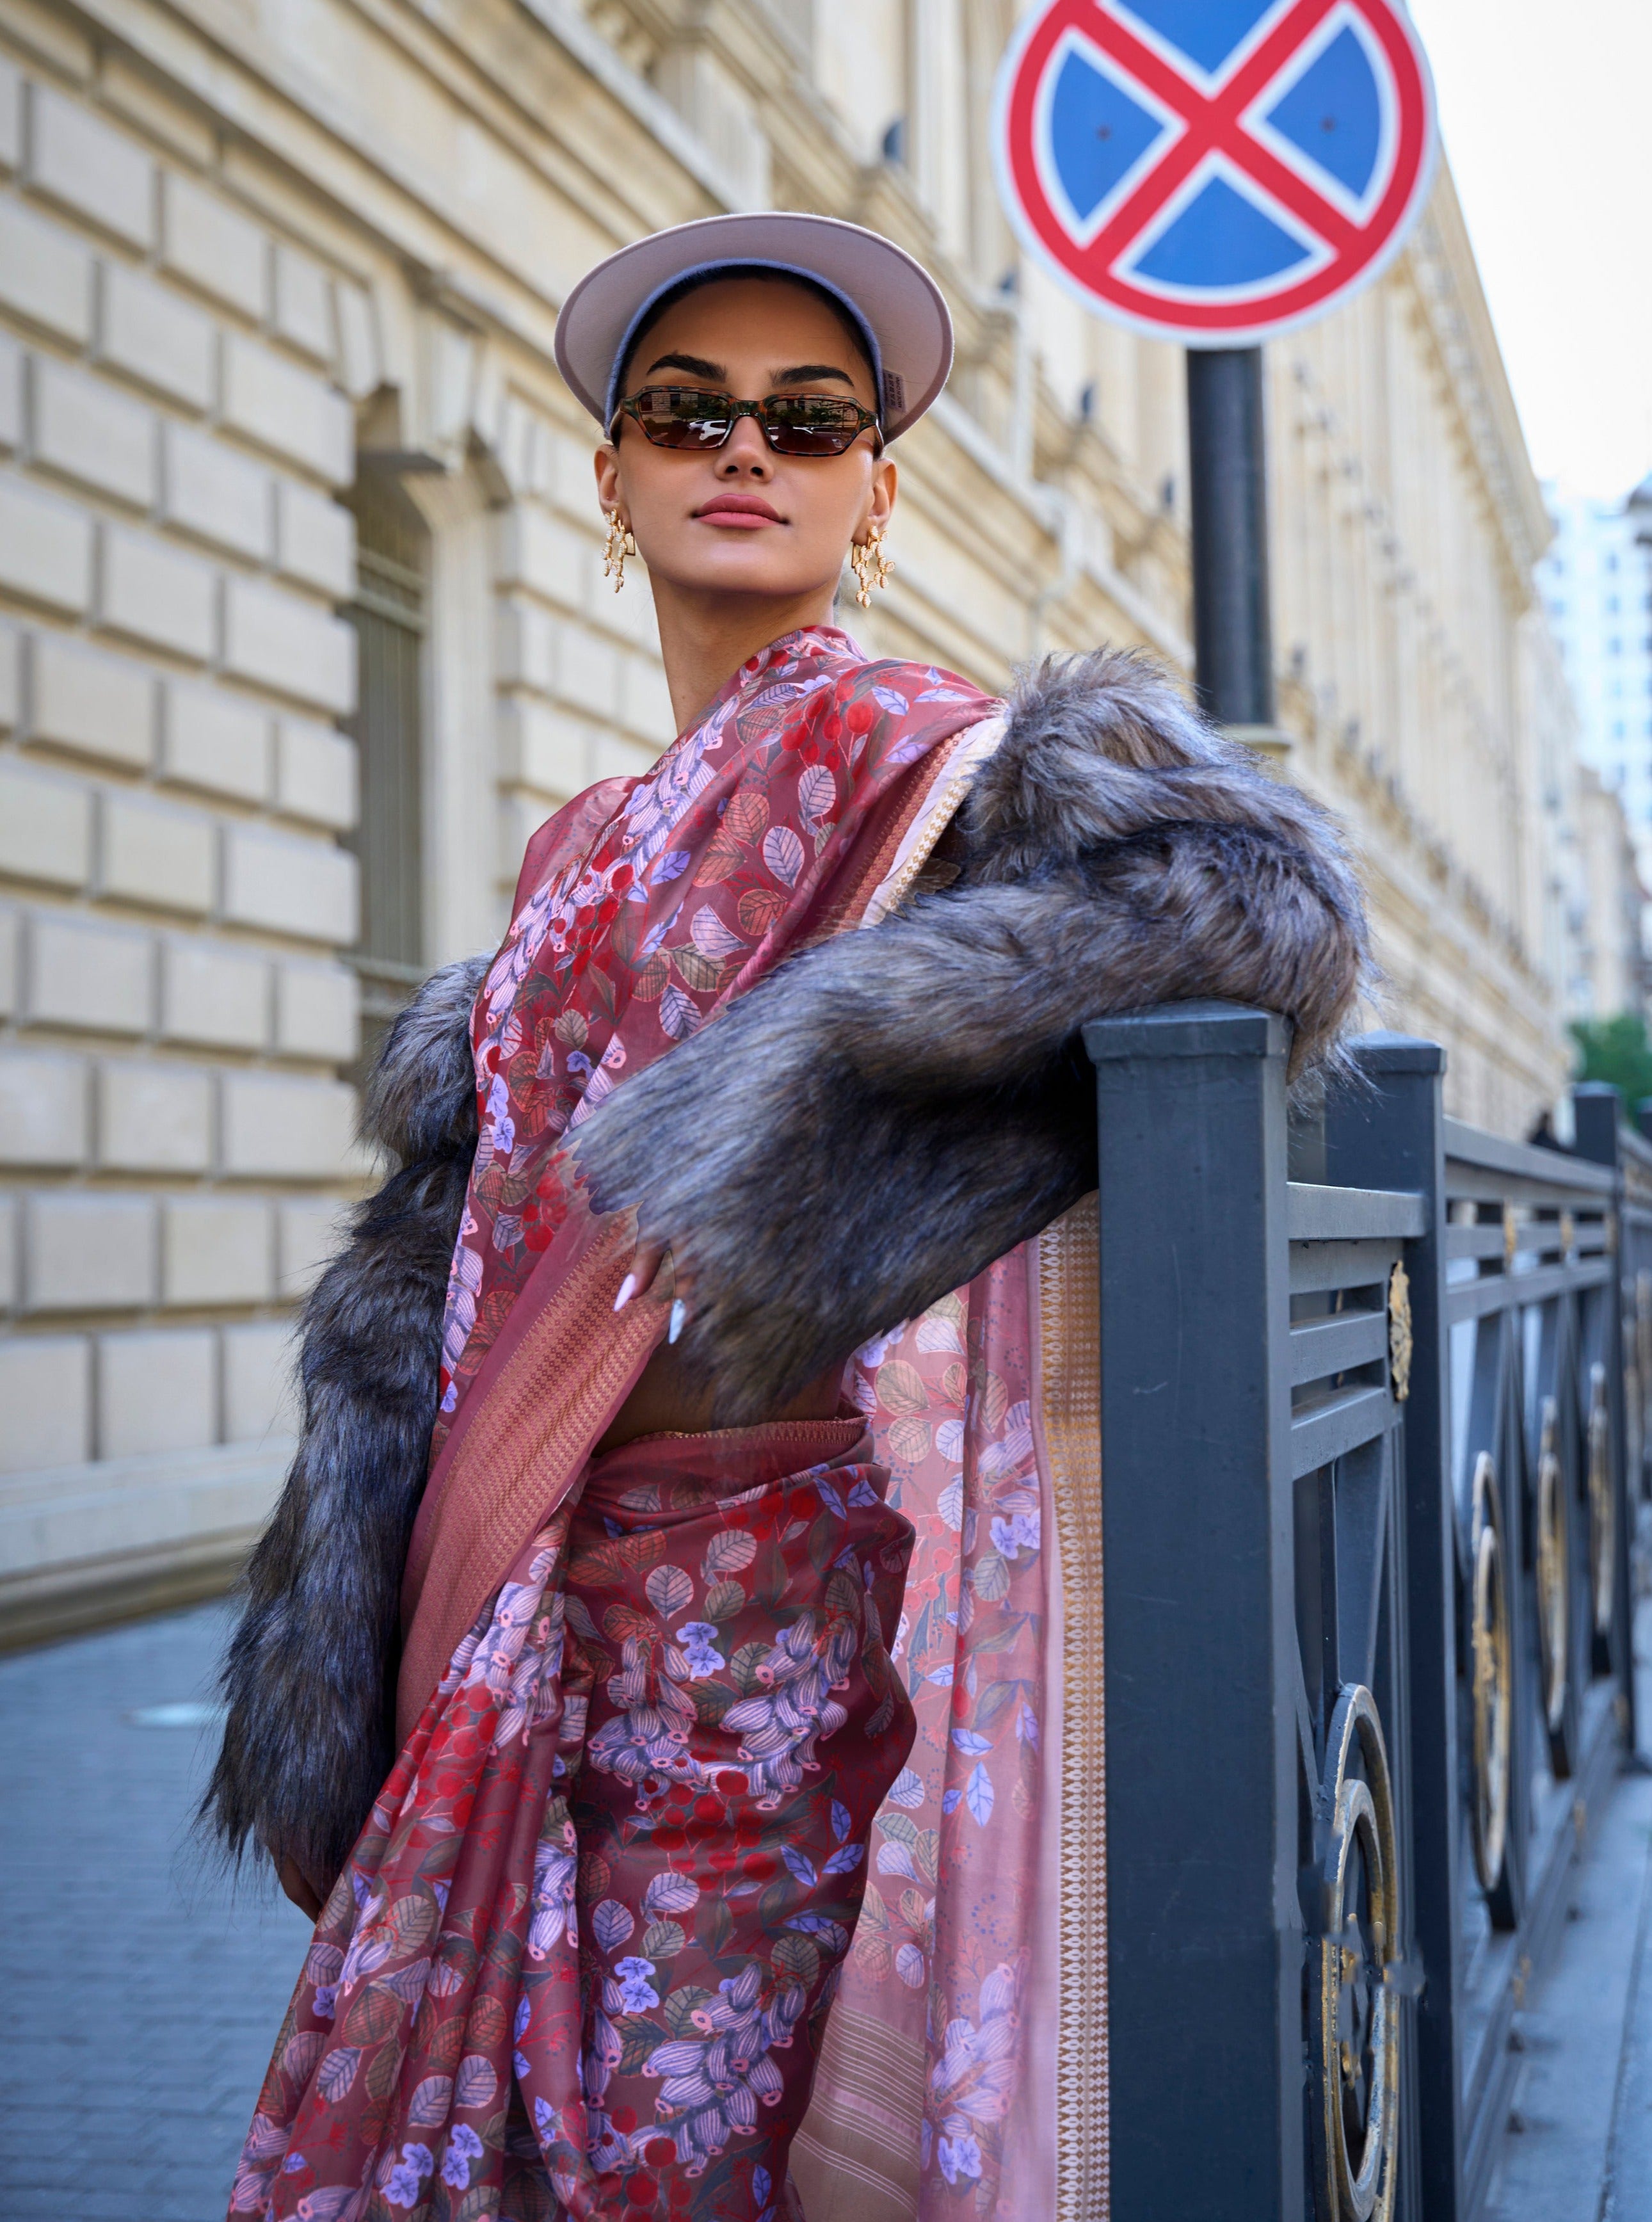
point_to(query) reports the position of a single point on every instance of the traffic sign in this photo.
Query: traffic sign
(1214, 171)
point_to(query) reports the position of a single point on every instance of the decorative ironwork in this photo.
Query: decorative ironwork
(1400, 1334)
(1356, 2038)
(1603, 1509)
(1553, 1600)
(1491, 1668)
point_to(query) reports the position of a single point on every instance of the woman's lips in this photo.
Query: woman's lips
(744, 512)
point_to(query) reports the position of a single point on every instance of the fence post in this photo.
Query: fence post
(1597, 1108)
(1387, 1133)
(1204, 1930)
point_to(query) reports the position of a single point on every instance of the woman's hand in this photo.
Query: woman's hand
(646, 1261)
(298, 1887)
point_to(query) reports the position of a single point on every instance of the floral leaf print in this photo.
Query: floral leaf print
(371, 2017)
(938, 1331)
(948, 1440)
(990, 1578)
(909, 1966)
(696, 971)
(782, 852)
(845, 1860)
(747, 816)
(900, 1389)
(759, 909)
(338, 2071)
(949, 1506)
(723, 1600)
(663, 1940)
(832, 1933)
(672, 865)
(679, 1013)
(322, 1963)
(909, 1439)
(670, 1591)
(801, 1865)
(977, 1794)
(713, 938)
(638, 2037)
(842, 1822)
(896, 1859)
(300, 2054)
(670, 1892)
(797, 1956)
(428, 2107)
(476, 2081)
(726, 1553)
(817, 793)
(908, 1790)
(967, 1741)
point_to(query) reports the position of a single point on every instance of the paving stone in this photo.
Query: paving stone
(143, 1991)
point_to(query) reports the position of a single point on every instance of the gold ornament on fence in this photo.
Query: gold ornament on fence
(1491, 1678)
(1399, 1333)
(1354, 2054)
(871, 566)
(615, 548)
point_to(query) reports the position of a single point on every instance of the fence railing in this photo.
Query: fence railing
(1366, 1518)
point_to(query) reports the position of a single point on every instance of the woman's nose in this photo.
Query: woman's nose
(745, 454)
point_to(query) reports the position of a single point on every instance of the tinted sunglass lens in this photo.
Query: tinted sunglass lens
(673, 418)
(811, 425)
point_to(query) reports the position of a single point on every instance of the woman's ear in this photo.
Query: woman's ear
(607, 464)
(881, 500)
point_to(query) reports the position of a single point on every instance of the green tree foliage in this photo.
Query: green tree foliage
(1616, 1049)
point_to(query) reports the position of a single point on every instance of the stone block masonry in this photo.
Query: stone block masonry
(175, 1139)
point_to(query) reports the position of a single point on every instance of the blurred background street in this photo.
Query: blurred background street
(142, 1991)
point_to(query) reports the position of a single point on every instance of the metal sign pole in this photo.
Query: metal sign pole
(1227, 460)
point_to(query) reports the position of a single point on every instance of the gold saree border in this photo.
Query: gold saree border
(525, 1448)
(1068, 1326)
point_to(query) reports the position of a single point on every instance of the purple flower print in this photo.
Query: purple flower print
(638, 1993)
(778, 1727)
(464, 2146)
(1020, 1532)
(699, 1641)
(407, 2176)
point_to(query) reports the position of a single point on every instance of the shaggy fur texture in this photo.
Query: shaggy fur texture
(310, 1676)
(864, 1130)
(890, 1110)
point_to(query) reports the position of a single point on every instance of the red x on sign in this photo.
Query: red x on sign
(1214, 170)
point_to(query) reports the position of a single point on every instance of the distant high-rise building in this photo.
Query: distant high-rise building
(1597, 580)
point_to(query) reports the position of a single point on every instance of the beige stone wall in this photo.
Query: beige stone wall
(246, 254)
(1611, 970)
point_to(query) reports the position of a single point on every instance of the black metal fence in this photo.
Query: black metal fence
(1366, 1517)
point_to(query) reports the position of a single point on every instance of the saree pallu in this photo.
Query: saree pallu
(582, 1955)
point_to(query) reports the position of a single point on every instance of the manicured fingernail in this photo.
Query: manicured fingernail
(678, 1319)
(627, 1290)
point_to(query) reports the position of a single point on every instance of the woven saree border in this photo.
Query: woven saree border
(1069, 1287)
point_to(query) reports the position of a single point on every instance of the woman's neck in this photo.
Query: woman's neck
(704, 638)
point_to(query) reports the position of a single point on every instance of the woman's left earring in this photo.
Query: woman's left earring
(871, 565)
(618, 545)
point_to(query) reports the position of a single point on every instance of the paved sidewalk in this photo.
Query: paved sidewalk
(141, 1993)
(1579, 2143)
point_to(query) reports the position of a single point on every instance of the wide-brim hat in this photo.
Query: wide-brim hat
(891, 298)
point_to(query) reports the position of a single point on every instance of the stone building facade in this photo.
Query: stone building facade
(302, 629)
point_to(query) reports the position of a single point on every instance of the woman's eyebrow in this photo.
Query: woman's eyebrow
(800, 371)
(695, 365)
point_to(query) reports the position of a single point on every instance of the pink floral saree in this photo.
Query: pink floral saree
(743, 1857)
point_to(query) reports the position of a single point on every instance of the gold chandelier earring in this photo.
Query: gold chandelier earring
(871, 565)
(615, 548)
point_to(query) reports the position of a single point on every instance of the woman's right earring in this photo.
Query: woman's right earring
(618, 545)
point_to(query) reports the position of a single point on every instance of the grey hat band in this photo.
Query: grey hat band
(700, 274)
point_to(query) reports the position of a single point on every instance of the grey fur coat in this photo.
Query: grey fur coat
(898, 1106)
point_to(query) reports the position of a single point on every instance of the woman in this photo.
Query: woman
(700, 1769)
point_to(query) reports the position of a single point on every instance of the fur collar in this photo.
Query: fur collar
(896, 1106)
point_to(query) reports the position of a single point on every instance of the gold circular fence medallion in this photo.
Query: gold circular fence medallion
(1491, 1686)
(1602, 1503)
(1554, 1598)
(1356, 2009)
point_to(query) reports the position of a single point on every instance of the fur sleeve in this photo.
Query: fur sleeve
(310, 1671)
(891, 1110)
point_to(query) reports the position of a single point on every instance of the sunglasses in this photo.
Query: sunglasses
(793, 424)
